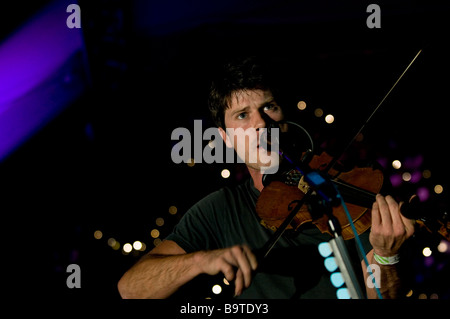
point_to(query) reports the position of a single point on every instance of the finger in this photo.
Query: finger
(409, 224)
(243, 264)
(376, 218)
(394, 210)
(239, 283)
(251, 257)
(400, 222)
(228, 271)
(385, 214)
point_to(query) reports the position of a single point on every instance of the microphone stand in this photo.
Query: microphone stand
(343, 259)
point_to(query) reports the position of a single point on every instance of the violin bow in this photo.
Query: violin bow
(336, 158)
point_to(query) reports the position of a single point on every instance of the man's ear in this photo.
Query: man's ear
(225, 137)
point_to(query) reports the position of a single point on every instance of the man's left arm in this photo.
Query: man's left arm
(390, 229)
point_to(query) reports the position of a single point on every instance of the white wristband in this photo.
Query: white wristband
(386, 260)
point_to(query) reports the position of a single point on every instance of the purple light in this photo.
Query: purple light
(416, 177)
(383, 161)
(35, 51)
(428, 261)
(423, 194)
(413, 162)
(396, 180)
(36, 80)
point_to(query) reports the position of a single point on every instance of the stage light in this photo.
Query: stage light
(336, 279)
(225, 173)
(217, 289)
(330, 264)
(396, 164)
(98, 234)
(154, 233)
(111, 242)
(172, 210)
(329, 118)
(438, 189)
(426, 252)
(406, 176)
(343, 293)
(127, 248)
(325, 249)
(415, 177)
(301, 105)
(396, 180)
(423, 193)
(159, 221)
(443, 247)
(426, 173)
(137, 245)
(114, 244)
(318, 112)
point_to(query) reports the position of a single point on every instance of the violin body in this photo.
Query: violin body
(277, 199)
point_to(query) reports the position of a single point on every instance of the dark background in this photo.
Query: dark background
(104, 163)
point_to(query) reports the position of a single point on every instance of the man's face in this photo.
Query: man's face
(249, 112)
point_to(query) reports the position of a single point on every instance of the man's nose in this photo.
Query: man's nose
(260, 120)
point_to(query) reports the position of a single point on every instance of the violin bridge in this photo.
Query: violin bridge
(272, 228)
(303, 185)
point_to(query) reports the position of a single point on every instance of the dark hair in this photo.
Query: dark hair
(249, 73)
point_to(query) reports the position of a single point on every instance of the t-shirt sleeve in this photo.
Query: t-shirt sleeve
(199, 228)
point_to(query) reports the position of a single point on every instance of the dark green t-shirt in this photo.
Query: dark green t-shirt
(294, 268)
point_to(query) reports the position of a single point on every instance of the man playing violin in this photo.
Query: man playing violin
(220, 233)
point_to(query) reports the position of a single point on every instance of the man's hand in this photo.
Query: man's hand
(390, 228)
(236, 263)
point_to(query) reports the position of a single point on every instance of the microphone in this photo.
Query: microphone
(318, 181)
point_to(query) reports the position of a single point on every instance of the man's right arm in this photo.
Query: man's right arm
(167, 267)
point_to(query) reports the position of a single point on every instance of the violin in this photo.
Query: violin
(358, 187)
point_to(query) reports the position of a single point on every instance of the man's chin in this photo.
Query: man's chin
(269, 164)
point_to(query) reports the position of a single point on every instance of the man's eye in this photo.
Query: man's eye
(242, 116)
(270, 107)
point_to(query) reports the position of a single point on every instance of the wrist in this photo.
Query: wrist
(198, 260)
(386, 259)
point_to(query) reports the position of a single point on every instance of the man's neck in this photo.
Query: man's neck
(257, 178)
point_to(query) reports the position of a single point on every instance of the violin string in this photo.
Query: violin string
(335, 159)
